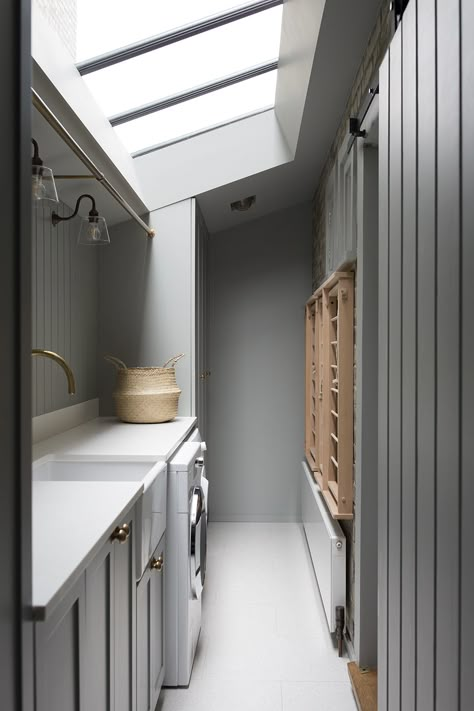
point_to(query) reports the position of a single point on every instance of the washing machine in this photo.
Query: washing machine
(186, 546)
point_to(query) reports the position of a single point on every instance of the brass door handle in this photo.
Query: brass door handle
(157, 563)
(121, 533)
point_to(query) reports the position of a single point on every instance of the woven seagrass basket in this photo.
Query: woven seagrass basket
(146, 395)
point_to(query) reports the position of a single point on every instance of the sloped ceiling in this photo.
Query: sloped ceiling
(345, 29)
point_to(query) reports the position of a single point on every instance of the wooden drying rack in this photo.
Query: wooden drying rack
(330, 391)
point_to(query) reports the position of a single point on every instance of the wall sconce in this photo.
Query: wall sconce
(93, 230)
(42, 180)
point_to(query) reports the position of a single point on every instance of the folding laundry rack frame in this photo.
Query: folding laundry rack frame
(329, 437)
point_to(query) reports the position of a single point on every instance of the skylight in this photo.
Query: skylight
(164, 71)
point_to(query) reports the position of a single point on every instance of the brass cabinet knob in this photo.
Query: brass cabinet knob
(120, 533)
(157, 563)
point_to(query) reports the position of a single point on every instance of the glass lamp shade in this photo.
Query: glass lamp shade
(43, 186)
(93, 232)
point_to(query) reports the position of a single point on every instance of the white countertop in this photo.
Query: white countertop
(107, 437)
(71, 522)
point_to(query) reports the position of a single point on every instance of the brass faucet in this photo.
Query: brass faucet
(71, 385)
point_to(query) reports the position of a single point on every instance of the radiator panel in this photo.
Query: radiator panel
(327, 546)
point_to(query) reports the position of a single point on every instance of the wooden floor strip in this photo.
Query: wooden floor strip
(364, 686)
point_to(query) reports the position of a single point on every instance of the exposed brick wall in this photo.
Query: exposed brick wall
(376, 48)
(62, 16)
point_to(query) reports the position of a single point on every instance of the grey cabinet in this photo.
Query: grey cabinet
(150, 631)
(60, 655)
(341, 211)
(85, 651)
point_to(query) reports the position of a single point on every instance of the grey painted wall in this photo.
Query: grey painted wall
(260, 279)
(65, 302)
(426, 393)
(148, 299)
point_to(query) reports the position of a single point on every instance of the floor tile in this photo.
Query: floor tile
(223, 696)
(265, 642)
(323, 696)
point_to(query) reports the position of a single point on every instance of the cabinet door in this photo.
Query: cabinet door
(331, 220)
(125, 622)
(59, 655)
(157, 637)
(150, 632)
(99, 689)
(345, 250)
(143, 642)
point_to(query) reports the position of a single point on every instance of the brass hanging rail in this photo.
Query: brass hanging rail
(54, 122)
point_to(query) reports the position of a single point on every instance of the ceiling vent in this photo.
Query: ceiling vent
(244, 204)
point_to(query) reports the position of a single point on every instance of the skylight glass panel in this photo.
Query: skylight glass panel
(105, 25)
(199, 114)
(187, 64)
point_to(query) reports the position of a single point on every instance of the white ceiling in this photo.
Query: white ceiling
(345, 30)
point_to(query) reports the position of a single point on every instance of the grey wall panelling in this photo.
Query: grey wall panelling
(447, 354)
(65, 304)
(384, 285)
(366, 469)
(467, 357)
(426, 365)
(395, 373)
(426, 354)
(260, 278)
(408, 360)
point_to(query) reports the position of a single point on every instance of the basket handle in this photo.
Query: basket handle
(172, 361)
(119, 364)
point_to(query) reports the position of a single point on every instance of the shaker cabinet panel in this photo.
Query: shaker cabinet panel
(341, 212)
(347, 208)
(99, 690)
(143, 643)
(157, 639)
(59, 655)
(85, 651)
(150, 632)
(124, 624)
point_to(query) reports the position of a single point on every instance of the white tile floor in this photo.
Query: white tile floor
(264, 644)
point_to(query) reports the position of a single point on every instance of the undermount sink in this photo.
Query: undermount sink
(97, 470)
(151, 507)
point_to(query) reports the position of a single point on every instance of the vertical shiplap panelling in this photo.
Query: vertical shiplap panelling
(65, 311)
(39, 379)
(467, 373)
(34, 361)
(409, 326)
(426, 346)
(54, 307)
(384, 132)
(448, 356)
(48, 365)
(395, 296)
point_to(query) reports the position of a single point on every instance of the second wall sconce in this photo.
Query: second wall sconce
(93, 230)
(43, 186)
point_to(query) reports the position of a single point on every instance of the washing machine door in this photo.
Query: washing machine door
(198, 540)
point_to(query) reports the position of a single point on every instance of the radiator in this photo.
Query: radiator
(327, 546)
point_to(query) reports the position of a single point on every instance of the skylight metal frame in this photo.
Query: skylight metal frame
(136, 49)
(194, 93)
